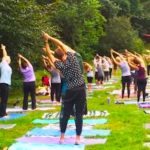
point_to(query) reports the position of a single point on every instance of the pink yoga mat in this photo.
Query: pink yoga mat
(125, 96)
(55, 140)
(147, 126)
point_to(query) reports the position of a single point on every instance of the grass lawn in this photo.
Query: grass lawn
(125, 122)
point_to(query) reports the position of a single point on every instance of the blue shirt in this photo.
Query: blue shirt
(5, 72)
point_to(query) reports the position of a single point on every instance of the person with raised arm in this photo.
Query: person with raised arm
(75, 96)
(5, 80)
(90, 74)
(141, 78)
(55, 82)
(29, 87)
(125, 70)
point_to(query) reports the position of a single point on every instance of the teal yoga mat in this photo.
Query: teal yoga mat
(55, 132)
(71, 121)
(33, 146)
(12, 116)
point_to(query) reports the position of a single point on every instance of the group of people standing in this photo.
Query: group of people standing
(133, 68)
(101, 71)
(64, 62)
(26, 70)
(66, 69)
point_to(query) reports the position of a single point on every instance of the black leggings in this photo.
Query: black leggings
(126, 80)
(148, 70)
(106, 75)
(4, 91)
(74, 99)
(141, 84)
(29, 88)
(55, 90)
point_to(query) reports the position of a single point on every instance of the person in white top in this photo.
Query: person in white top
(97, 62)
(110, 66)
(105, 66)
(90, 74)
(125, 70)
(5, 81)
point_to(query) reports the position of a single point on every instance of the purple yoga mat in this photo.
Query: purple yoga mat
(144, 105)
(55, 140)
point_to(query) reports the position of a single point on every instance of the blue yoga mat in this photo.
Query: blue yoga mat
(55, 132)
(32, 146)
(12, 116)
(71, 121)
(45, 121)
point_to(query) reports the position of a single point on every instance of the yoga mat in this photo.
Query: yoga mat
(146, 144)
(148, 135)
(71, 121)
(7, 126)
(125, 96)
(57, 126)
(35, 146)
(147, 126)
(42, 121)
(144, 105)
(92, 121)
(55, 140)
(130, 102)
(119, 102)
(54, 132)
(115, 92)
(21, 110)
(44, 101)
(45, 108)
(147, 111)
(89, 114)
(135, 102)
(12, 116)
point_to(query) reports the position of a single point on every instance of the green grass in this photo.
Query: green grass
(125, 122)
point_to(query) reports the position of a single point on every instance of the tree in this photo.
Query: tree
(120, 35)
(80, 24)
(21, 26)
(109, 9)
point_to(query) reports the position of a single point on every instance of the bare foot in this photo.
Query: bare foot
(61, 140)
(77, 141)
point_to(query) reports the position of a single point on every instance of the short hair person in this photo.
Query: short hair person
(5, 80)
(27, 71)
(75, 95)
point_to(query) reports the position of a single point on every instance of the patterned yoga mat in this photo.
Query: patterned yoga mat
(93, 113)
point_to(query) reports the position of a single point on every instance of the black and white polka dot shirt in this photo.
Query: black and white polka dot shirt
(71, 71)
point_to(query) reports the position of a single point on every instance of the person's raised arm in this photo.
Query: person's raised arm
(49, 52)
(57, 42)
(25, 59)
(3, 47)
(113, 58)
(19, 62)
(132, 64)
(47, 62)
(120, 55)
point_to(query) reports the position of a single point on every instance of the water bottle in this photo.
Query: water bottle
(108, 100)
